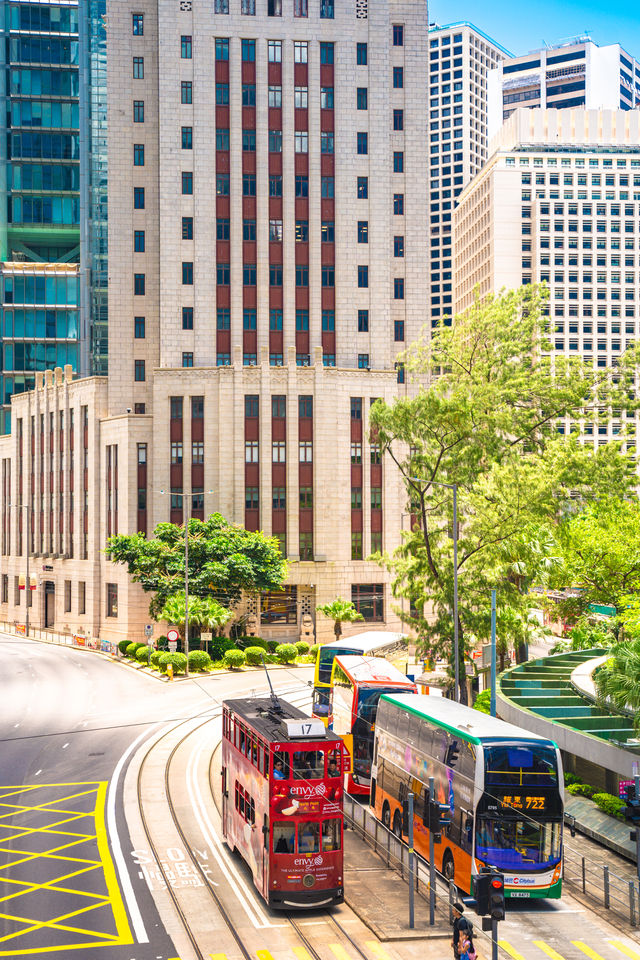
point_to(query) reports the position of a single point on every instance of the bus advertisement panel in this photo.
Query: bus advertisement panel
(503, 786)
(282, 801)
(357, 683)
(372, 643)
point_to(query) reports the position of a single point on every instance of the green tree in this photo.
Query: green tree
(203, 612)
(224, 560)
(340, 611)
(601, 555)
(487, 421)
(618, 680)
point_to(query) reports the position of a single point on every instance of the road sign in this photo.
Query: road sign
(206, 637)
(172, 635)
(148, 630)
(173, 646)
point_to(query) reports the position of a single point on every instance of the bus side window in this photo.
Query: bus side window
(284, 837)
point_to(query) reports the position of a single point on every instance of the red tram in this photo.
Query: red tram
(282, 798)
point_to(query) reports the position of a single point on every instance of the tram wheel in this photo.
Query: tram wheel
(386, 816)
(448, 868)
(397, 825)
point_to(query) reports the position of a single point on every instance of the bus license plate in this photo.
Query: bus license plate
(519, 893)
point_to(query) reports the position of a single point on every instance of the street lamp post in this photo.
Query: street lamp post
(185, 503)
(456, 652)
(27, 507)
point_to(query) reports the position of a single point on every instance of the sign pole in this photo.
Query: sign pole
(636, 777)
(432, 866)
(494, 939)
(411, 862)
(493, 653)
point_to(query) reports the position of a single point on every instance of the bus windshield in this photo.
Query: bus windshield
(326, 657)
(518, 843)
(526, 765)
(368, 699)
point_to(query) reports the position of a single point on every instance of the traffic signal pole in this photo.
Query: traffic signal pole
(636, 777)
(432, 866)
(411, 862)
(494, 939)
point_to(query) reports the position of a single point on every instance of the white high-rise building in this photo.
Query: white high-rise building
(559, 202)
(572, 73)
(460, 60)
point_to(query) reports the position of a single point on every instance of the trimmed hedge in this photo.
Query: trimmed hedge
(254, 655)
(610, 804)
(219, 646)
(142, 653)
(313, 652)
(234, 659)
(302, 647)
(245, 642)
(199, 660)
(571, 778)
(272, 645)
(482, 703)
(155, 657)
(581, 790)
(122, 645)
(178, 661)
(286, 652)
(133, 648)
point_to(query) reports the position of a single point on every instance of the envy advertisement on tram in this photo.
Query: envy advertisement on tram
(282, 801)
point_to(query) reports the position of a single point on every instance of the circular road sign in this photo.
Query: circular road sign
(172, 635)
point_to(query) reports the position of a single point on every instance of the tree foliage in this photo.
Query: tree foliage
(618, 680)
(487, 420)
(340, 611)
(224, 561)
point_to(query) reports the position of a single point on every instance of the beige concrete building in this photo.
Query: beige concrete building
(267, 215)
(559, 201)
(461, 58)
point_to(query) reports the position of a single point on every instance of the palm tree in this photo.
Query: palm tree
(203, 612)
(340, 611)
(214, 615)
(618, 680)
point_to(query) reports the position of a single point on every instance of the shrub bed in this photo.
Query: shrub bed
(581, 790)
(122, 645)
(142, 653)
(219, 646)
(272, 645)
(254, 655)
(286, 652)
(313, 653)
(302, 647)
(199, 660)
(155, 657)
(234, 659)
(177, 660)
(571, 778)
(132, 649)
(610, 804)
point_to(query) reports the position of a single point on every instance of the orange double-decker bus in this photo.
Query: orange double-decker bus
(282, 799)
(357, 683)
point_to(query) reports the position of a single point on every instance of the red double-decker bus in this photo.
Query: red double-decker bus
(357, 683)
(282, 797)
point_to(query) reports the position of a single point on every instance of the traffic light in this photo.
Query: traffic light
(439, 818)
(453, 752)
(481, 883)
(405, 817)
(496, 896)
(632, 810)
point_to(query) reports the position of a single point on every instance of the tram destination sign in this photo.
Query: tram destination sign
(299, 729)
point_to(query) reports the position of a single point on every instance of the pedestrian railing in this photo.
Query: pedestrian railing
(598, 882)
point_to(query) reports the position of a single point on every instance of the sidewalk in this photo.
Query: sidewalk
(600, 826)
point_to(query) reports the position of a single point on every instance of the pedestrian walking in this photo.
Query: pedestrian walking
(462, 939)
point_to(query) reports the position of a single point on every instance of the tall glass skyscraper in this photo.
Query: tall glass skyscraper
(53, 178)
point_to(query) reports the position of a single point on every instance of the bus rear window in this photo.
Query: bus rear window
(520, 765)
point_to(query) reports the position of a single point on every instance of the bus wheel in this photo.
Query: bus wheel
(386, 816)
(397, 825)
(448, 868)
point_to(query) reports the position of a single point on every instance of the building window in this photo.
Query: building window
(187, 318)
(274, 51)
(222, 48)
(398, 119)
(275, 274)
(197, 408)
(326, 9)
(276, 606)
(186, 91)
(363, 188)
(356, 545)
(302, 320)
(302, 275)
(222, 138)
(223, 274)
(328, 321)
(138, 241)
(300, 98)
(300, 8)
(356, 498)
(363, 275)
(248, 184)
(222, 228)
(363, 231)
(305, 407)
(187, 228)
(398, 35)
(187, 182)
(362, 143)
(138, 68)
(302, 141)
(138, 111)
(400, 372)
(306, 546)
(139, 284)
(112, 599)
(138, 198)
(176, 452)
(361, 98)
(305, 451)
(327, 231)
(251, 451)
(187, 272)
(328, 359)
(187, 138)
(398, 288)
(175, 408)
(138, 24)
(275, 141)
(138, 371)
(363, 321)
(197, 451)
(398, 204)
(363, 361)
(251, 406)
(138, 154)
(300, 51)
(328, 275)
(368, 599)
(82, 596)
(248, 48)
(398, 161)
(222, 184)
(248, 94)
(275, 319)
(326, 98)
(302, 230)
(356, 408)
(356, 453)
(278, 451)
(248, 8)
(306, 498)
(326, 142)
(302, 186)
(398, 78)
(361, 54)
(398, 330)
(326, 52)
(251, 498)
(138, 328)
(223, 318)
(398, 246)
(186, 48)
(187, 359)
(274, 8)
(249, 275)
(278, 407)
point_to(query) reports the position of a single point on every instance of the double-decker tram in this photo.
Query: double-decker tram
(357, 683)
(282, 799)
(503, 786)
(371, 643)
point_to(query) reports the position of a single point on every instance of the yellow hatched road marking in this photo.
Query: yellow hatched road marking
(339, 951)
(588, 950)
(215, 956)
(550, 952)
(623, 948)
(509, 949)
(379, 950)
(263, 955)
(301, 953)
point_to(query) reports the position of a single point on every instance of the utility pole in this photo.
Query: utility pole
(636, 777)
(493, 653)
(27, 586)
(411, 860)
(186, 581)
(432, 866)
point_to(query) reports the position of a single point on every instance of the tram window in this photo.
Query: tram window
(283, 837)
(254, 753)
(333, 766)
(309, 838)
(331, 834)
(240, 740)
(281, 766)
(308, 765)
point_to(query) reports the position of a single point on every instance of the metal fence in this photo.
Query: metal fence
(617, 894)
